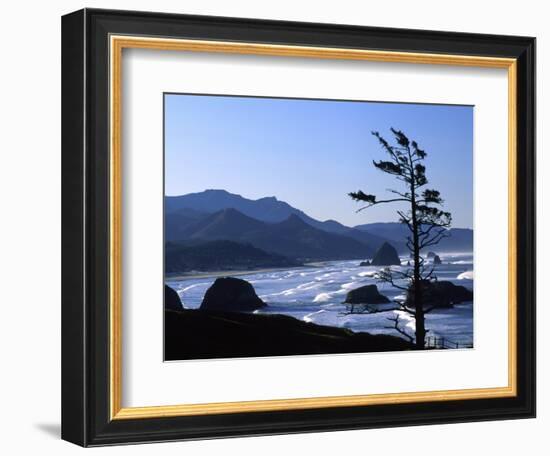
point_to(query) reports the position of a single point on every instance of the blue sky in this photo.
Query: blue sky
(311, 153)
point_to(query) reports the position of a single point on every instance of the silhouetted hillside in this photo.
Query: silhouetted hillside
(292, 238)
(185, 212)
(186, 256)
(224, 224)
(268, 209)
(176, 222)
(218, 214)
(200, 334)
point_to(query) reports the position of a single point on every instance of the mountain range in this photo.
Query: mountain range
(278, 229)
(268, 209)
(458, 239)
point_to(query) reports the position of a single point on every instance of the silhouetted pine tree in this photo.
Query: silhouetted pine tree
(427, 223)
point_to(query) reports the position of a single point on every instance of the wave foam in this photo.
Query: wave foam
(372, 274)
(468, 275)
(322, 297)
(347, 286)
(309, 318)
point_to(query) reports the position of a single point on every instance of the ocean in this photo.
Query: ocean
(316, 294)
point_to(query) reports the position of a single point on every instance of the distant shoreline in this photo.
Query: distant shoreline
(241, 272)
(232, 273)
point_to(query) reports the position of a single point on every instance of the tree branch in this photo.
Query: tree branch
(435, 240)
(386, 276)
(398, 329)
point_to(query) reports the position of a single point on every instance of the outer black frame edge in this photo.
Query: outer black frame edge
(526, 216)
(85, 170)
(73, 326)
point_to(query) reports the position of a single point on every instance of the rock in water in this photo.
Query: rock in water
(431, 255)
(172, 300)
(442, 294)
(364, 263)
(367, 294)
(232, 295)
(386, 256)
(437, 260)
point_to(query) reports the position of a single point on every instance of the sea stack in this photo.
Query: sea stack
(232, 295)
(443, 294)
(436, 259)
(367, 294)
(386, 256)
(172, 300)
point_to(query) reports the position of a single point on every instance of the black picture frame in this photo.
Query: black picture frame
(85, 223)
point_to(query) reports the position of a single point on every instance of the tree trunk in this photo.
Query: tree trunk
(418, 307)
(420, 331)
(420, 324)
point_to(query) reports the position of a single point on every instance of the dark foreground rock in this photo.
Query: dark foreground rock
(442, 294)
(367, 294)
(172, 300)
(386, 255)
(200, 334)
(232, 295)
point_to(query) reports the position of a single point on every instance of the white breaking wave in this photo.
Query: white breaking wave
(368, 274)
(468, 275)
(350, 285)
(308, 286)
(190, 287)
(309, 317)
(322, 297)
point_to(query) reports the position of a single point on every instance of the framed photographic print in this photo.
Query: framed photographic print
(278, 227)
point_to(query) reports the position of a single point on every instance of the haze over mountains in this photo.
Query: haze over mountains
(459, 240)
(283, 233)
